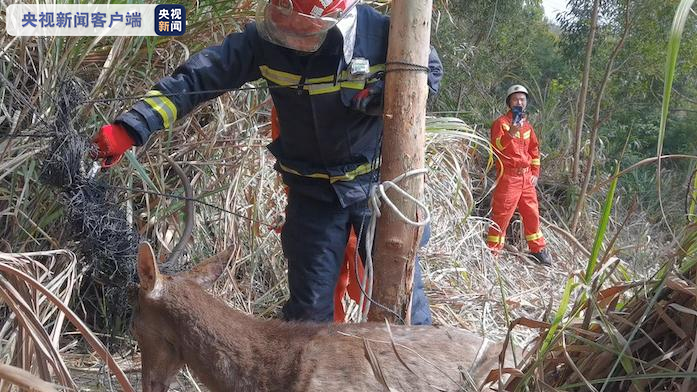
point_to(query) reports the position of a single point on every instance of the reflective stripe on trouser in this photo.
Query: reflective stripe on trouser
(314, 239)
(515, 191)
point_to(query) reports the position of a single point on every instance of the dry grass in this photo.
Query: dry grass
(222, 148)
(467, 287)
(36, 295)
(611, 341)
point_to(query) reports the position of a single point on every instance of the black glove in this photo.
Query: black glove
(369, 100)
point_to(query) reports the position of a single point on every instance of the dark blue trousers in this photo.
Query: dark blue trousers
(314, 239)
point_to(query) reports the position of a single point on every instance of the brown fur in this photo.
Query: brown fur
(177, 322)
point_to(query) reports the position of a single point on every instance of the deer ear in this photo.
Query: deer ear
(205, 274)
(148, 273)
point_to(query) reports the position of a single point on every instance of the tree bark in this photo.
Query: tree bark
(406, 92)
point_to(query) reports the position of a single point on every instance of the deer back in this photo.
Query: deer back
(177, 322)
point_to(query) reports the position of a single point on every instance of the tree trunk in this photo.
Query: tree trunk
(596, 123)
(406, 92)
(582, 95)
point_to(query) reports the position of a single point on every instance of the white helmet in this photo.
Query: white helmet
(516, 88)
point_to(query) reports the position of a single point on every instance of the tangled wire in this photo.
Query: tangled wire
(104, 236)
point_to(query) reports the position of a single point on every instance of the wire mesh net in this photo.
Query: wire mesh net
(99, 226)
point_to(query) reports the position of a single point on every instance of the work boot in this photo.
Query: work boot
(542, 257)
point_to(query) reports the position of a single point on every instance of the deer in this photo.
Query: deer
(177, 322)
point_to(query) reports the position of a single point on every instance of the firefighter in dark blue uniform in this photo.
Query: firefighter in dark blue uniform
(323, 59)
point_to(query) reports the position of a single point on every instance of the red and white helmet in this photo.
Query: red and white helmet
(300, 24)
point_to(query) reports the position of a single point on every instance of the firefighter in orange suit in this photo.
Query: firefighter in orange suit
(516, 145)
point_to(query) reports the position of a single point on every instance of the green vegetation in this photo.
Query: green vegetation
(488, 45)
(625, 254)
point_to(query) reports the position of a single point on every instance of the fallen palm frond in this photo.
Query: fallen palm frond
(23, 329)
(36, 295)
(645, 343)
(23, 379)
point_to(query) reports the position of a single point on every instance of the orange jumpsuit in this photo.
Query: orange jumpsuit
(520, 160)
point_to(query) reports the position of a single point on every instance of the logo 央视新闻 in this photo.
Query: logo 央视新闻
(170, 19)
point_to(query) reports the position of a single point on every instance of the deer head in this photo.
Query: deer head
(153, 326)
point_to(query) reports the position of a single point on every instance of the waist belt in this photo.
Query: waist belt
(516, 171)
(347, 176)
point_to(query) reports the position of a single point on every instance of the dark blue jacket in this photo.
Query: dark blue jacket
(326, 149)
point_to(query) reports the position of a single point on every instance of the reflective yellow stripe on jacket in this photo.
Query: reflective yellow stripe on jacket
(279, 77)
(320, 85)
(163, 106)
(323, 85)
